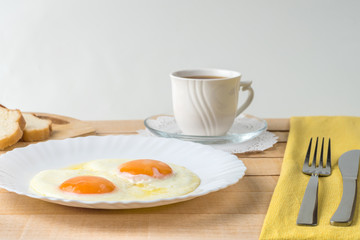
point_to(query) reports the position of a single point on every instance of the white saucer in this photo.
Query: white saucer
(245, 127)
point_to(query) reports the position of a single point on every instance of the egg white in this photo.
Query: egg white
(128, 187)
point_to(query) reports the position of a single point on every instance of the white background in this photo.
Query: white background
(111, 59)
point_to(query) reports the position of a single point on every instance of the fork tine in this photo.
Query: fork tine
(328, 162)
(315, 153)
(321, 154)
(306, 163)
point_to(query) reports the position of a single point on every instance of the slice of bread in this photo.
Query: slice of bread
(36, 129)
(12, 124)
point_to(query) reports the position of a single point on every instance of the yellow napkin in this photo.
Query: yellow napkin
(280, 220)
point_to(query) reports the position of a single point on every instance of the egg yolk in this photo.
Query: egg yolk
(152, 168)
(87, 185)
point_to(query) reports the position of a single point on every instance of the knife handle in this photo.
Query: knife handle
(308, 209)
(344, 214)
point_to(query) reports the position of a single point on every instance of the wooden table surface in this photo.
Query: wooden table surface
(236, 212)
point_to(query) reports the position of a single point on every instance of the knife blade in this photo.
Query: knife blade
(349, 167)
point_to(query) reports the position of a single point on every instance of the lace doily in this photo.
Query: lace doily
(260, 143)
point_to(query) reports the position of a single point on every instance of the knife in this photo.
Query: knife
(349, 167)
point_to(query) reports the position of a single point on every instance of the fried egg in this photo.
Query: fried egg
(154, 178)
(80, 185)
(116, 180)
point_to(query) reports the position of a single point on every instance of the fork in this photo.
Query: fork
(308, 214)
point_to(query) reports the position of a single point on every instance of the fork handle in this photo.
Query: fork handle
(308, 209)
(344, 214)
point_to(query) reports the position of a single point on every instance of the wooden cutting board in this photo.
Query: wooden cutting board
(66, 127)
(63, 127)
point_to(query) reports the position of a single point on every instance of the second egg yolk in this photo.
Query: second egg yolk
(152, 168)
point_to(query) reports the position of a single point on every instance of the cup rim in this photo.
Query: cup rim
(228, 74)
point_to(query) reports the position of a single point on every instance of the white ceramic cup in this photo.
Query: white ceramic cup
(207, 106)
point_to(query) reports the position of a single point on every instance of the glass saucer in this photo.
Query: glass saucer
(245, 127)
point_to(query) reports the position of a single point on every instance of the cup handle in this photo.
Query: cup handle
(245, 86)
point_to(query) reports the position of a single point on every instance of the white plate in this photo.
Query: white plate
(216, 169)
